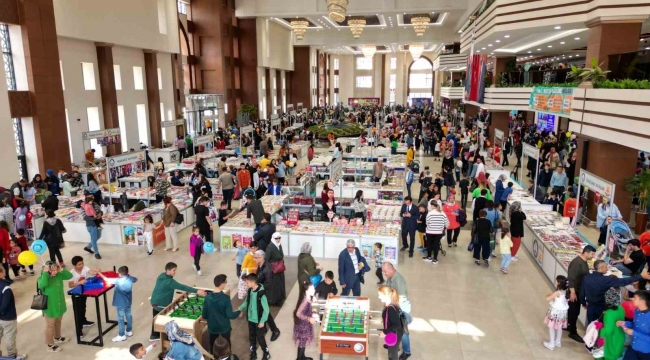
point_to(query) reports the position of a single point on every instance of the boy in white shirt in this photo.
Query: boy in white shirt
(80, 272)
(139, 352)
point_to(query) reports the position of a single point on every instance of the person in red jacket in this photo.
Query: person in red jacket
(451, 208)
(6, 248)
(243, 178)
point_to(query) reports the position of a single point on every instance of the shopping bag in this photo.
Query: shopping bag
(242, 289)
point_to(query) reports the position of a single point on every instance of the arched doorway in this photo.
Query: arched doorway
(420, 80)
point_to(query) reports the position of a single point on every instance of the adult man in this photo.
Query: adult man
(265, 278)
(478, 168)
(182, 146)
(221, 165)
(217, 311)
(544, 178)
(76, 181)
(254, 208)
(559, 181)
(264, 149)
(640, 344)
(227, 185)
(479, 203)
(409, 179)
(163, 293)
(8, 317)
(264, 234)
(596, 284)
(396, 281)
(578, 268)
(632, 260)
(351, 263)
(409, 214)
(16, 191)
(378, 172)
(553, 158)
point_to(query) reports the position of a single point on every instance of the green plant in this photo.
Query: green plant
(623, 84)
(487, 80)
(574, 74)
(639, 186)
(594, 74)
(568, 84)
(446, 83)
(251, 110)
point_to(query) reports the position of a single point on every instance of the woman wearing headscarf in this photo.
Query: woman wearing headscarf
(274, 254)
(517, 218)
(498, 188)
(307, 266)
(182, 346)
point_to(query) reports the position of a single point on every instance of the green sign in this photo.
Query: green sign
(555, 100)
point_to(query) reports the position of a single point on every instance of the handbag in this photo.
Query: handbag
(278, 267)
(39, 302)
(179, 219)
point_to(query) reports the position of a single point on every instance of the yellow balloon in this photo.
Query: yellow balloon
(568, 134)
(27, 258)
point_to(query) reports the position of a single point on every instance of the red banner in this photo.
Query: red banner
(475, 84)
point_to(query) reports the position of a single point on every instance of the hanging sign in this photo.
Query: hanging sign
(246, 129)
(205, 139)
(124, 159)
(100, 133)
(530, 151)
(293, 113)
(556, 100)
(171, 123)
(596, 183)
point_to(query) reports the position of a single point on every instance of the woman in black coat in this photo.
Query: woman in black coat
(52, 234)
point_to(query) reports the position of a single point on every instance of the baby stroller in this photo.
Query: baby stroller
(621, 234)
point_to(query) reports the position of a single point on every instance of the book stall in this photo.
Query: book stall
(344, 189)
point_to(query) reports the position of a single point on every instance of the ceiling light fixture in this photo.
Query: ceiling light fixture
(506, 36)
(497, 41)
(562, 43)
(420, 23)
(550, 46)
(299, 27)
(557, 27)
(368, 51)
(576, 38)
(337, 9)
(530, 52)
(416, 50)
(357, 24)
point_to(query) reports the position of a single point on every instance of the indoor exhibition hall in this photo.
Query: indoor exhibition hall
(325, 179)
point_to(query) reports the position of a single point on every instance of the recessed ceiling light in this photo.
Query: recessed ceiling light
(478, 51)
(557, 27)
(490, 45)
(550, 46)
(539, 49)
(491, 53)
(576, 38)
(506, 36)
(570, 56)
(648, 48)
(497, 41)
(562, 43)
(529, 52)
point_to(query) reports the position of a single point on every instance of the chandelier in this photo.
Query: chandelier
(368, 51)
(337, 9)
(299, 27)
(416, 50)
(420, 23)
(356, 25)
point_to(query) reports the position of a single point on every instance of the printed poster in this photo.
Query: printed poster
(556, 100)
(366, 251)
(226, 242)
(390, 253)
(133, 235)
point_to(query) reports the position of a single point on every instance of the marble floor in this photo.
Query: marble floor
(460, 311)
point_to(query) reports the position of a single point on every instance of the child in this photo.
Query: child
(148, 233)
(436, 152)
(557, 315)
(327, 286)
(378, 256)
(20, 216)
(139, 352)
(80, 273)
(13, 258)
(196, 248)
(241, 253)
(505, 245)
(303, 319)
(122, 299)
(464, 191)
(21, 241)
(421, 227)
(438, 181)
(256, 297)
(552, 200)
(91, 210)
(223, 213)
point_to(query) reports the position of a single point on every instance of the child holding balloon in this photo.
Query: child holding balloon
(21, 240)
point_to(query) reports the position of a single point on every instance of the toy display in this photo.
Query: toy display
(344, 330)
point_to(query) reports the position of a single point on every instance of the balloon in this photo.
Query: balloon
(208, 247)
(22, 217)
(27, 258)
(568, 134)
(39, 247)
(629, 309)
(390, 339)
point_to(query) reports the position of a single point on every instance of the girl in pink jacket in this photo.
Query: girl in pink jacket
(196, 248)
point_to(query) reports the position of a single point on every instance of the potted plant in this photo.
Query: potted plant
(251, 110)
(593, 75)
(639, 186)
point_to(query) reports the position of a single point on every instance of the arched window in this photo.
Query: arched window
(420, 79)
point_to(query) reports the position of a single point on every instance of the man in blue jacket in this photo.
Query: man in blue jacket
(351, 267)
(409, 214)
(639, 329)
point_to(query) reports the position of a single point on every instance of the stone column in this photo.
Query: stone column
(608, 36)
(108, 91)
(153, 98)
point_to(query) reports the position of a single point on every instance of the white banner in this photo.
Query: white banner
(275, 122)
(246, 129)
(596, 183)
(274, 116)
(205, 139)
(128, 158)
(530, 151)
(289, 106)
(171, 123)
(209, 117)
(299, 104)
(293, 113)
(100, 133)
(498, 134)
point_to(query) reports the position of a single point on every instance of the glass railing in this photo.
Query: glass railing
(533, 77)
(632, 65)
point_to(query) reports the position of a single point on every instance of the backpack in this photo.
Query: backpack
(461, 217)
(403, 319)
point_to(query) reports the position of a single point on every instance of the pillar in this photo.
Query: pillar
(107, 91)
(612, 36)
(470, 112)
(248, 63)
(499, 120)
(437, 84)
(153, 98)
(500, 67)
(300, 88)
(41, 51)
(269, 95)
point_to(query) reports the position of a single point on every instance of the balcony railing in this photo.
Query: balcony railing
(632, 65)
(528, 78)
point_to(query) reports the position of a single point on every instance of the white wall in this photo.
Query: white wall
(167, 92)
(133, 23)
(274, 45)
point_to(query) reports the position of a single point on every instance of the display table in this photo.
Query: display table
(370, 190)
(345, 329)
(169, 155)
(94, 294)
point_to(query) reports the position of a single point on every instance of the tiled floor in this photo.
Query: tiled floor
(461, 311)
